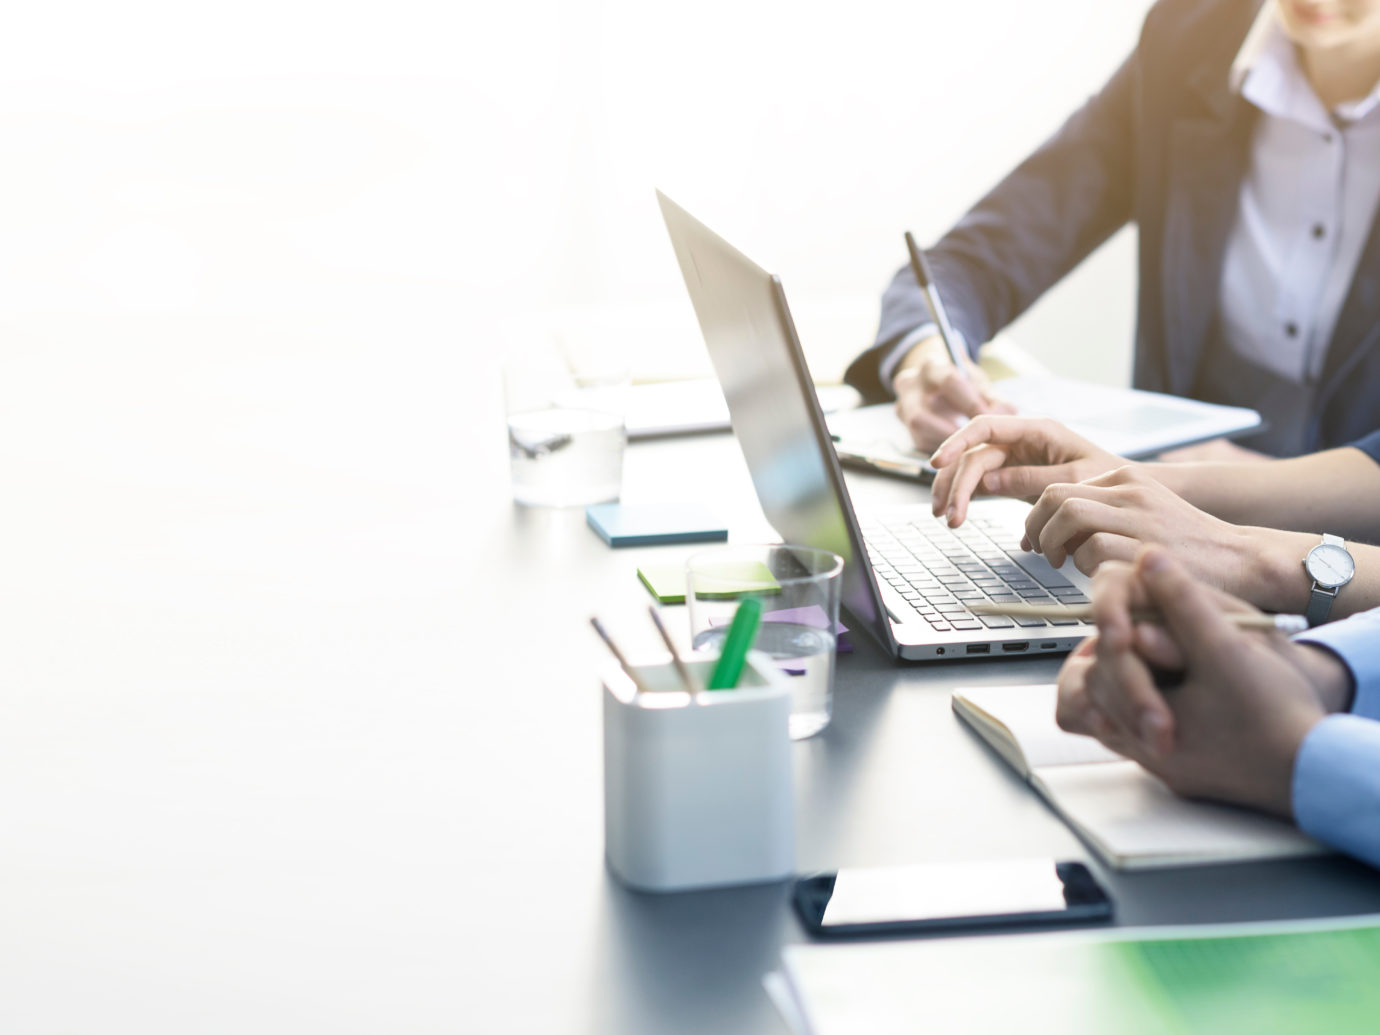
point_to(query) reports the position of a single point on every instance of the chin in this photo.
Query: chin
(1319, 36)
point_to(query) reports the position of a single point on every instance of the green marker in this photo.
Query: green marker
(734, 653)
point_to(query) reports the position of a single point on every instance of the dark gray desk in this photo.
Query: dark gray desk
(300, 731)
(896, 778)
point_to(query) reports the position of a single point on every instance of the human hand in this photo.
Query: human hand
(1231, 729)
(933, 397)
(1109, 517)
(1013, 456)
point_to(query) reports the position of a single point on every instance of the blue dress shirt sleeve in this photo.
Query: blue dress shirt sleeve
(1356, 642)
(1336, 787)
(1336, 783)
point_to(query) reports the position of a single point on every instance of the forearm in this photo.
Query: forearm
(1336, 491)
(1270, 572)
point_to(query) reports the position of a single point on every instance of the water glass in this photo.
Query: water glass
(799, 590)
(566, 435)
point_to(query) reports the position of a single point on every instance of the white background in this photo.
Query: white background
(453, 170)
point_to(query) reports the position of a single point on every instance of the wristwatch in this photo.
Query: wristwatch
(1330, 567)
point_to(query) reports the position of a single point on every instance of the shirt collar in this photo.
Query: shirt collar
(1267, 73)
(1266, 24)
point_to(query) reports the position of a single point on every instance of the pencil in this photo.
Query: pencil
(681, 670)
(642, 687)
(1084, 612)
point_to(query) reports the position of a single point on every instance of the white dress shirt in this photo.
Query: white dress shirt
(1304, 210)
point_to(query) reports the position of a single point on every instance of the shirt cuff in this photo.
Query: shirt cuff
(1356, 641)
(892, 360)
(1336, 785)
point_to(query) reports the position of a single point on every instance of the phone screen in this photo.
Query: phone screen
(1019, 891)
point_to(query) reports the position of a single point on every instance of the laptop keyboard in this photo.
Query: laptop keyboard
(940, 571)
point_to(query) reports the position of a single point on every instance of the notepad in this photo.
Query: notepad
(1267, 979)
(652, 524)
(667, 581)
(1126, 421)
(1124, 814)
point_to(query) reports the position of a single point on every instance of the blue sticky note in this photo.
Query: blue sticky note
(651, 524)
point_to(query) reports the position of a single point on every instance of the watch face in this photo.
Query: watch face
(1330, 566)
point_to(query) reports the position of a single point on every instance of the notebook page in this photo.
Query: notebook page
(1140, 821)
(1124, 421)
(1027, 712)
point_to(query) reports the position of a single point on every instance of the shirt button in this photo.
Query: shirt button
(1319, 231)
(1291, 329)
(1327, 138)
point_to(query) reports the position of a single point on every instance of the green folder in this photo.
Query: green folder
(1290, 977)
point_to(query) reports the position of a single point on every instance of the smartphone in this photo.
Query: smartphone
(949, 897)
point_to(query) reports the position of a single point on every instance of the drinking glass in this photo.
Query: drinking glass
(566, 435)
(799, 590)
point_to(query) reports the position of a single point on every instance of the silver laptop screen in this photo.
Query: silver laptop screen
(771, 401)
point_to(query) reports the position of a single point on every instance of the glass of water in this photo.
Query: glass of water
(566, 435)
(799, 590)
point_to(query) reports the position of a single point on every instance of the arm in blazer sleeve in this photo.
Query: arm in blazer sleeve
(1043, 219)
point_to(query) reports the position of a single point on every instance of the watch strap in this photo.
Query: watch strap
(1319, 605)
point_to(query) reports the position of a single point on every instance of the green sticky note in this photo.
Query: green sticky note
(667, 581)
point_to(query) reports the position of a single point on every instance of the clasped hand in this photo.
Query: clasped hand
(1242, 701)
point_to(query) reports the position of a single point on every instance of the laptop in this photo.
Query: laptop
(908, 578)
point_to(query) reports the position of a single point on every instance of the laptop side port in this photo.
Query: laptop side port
(1049, 645)
(979, 648)
(1015, 648)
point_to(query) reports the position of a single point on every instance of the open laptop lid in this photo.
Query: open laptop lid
(772, 403)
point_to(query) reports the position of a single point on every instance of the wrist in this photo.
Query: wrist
(1293, 731)
(1332, 681)
(1271, 569)
(921, 353)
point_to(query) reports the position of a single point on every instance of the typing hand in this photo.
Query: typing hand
(1231, 727)
(933, 399)
(1012, 456)
(1109, 517)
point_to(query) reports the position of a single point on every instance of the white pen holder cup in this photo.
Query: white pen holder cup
(698, 795)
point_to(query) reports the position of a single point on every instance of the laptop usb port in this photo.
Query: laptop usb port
(979, 648)
(1016, 647)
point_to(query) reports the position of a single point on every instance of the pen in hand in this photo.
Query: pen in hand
(921, 268)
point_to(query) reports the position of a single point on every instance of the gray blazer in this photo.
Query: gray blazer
(1165, 144)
